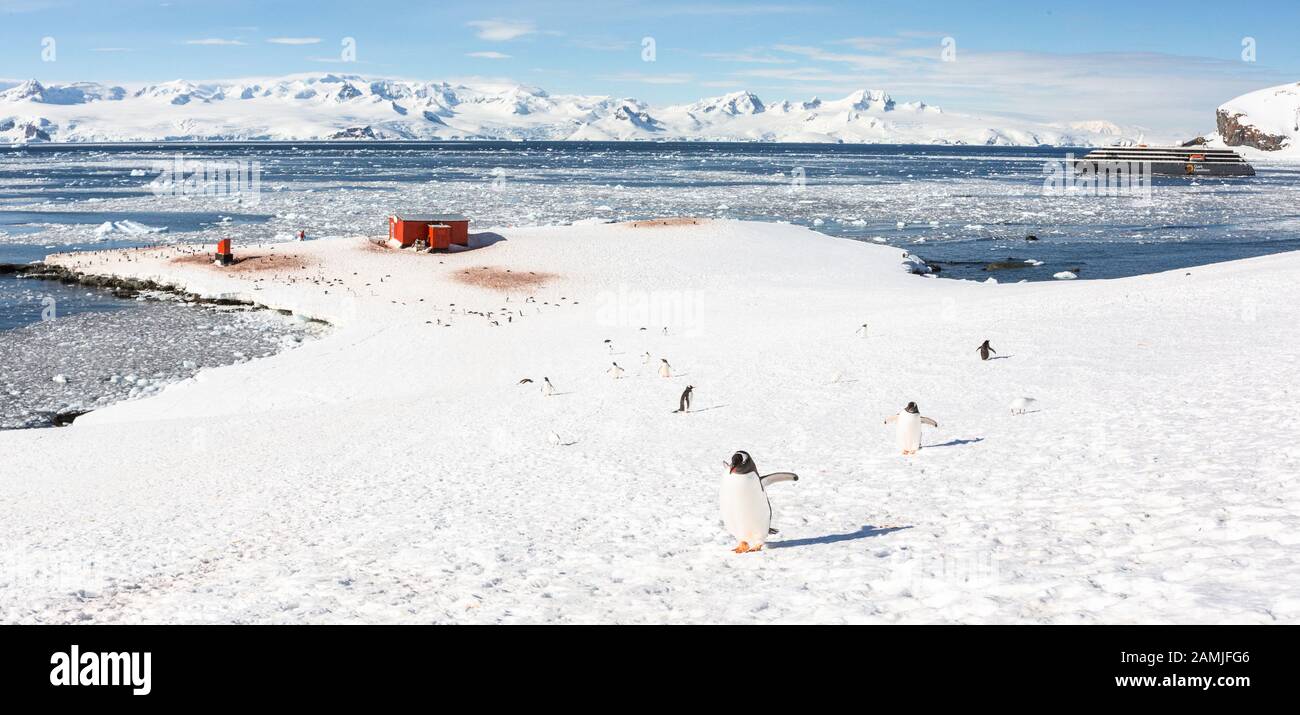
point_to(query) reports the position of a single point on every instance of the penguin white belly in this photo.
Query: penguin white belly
(745, 511)
(909, 432)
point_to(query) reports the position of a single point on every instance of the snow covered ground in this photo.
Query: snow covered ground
(395, 471)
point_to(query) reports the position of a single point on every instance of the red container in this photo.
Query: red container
(405, 231)
(459, 231)
(440, 236)
(223, 247)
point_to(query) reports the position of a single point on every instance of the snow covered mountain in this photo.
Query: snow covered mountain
(333, 106)
(1266, 119)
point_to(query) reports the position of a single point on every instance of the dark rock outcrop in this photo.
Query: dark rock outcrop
(1238, 133)
(354, 133)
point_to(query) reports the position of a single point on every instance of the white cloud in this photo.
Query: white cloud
(501, 30)
(749, 57)
(753, 9)
(637, 77)
(215, 41)
(294, 40)
(1170, 94)
(488, 55)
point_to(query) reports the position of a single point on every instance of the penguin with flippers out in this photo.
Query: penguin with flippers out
(746, 509)
(908, 432)
(984, 349)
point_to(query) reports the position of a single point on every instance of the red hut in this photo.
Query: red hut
(406, 230)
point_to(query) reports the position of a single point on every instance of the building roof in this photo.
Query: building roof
(430, 218)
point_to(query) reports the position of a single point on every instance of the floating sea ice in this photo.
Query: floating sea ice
(128, 228)
(818, 222)
(901, 224)
(1064, 276)
(1033, 262)
(60, 378)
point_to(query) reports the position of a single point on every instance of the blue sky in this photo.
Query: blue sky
(1159, 64)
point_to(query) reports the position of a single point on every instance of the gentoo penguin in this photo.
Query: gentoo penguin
(526, 381)
(615, 372)
(863, 330)
(746, 510)
(547, 388)
(984, 349)
(684, 404)
(909, 428)
(645, 359)
(1021, 404)
(665, 370)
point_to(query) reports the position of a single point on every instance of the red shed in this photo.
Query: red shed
(439, 236)
(407, 229)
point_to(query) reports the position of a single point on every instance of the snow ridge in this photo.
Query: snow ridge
(323, 106)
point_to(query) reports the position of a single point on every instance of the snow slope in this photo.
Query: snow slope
(337, 106)
(1267, 119)
(396, 472)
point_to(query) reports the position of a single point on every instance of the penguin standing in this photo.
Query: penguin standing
(684, 403)
(862, 332)
(547, 388)
(665, 370)
(615, 372)
(984, 349)
(909, 428)
(746, 510)
(645, 359)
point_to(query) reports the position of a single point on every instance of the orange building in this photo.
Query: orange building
(406, 230)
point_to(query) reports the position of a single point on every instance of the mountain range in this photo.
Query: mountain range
(343, 106)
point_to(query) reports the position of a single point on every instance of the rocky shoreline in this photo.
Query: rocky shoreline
(125, 288)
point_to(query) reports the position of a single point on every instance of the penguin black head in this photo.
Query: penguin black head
(911, 407)
(742, 464)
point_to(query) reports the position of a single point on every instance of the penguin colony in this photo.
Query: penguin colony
(745, 506)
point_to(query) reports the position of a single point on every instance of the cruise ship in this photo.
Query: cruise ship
(1169, 161)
